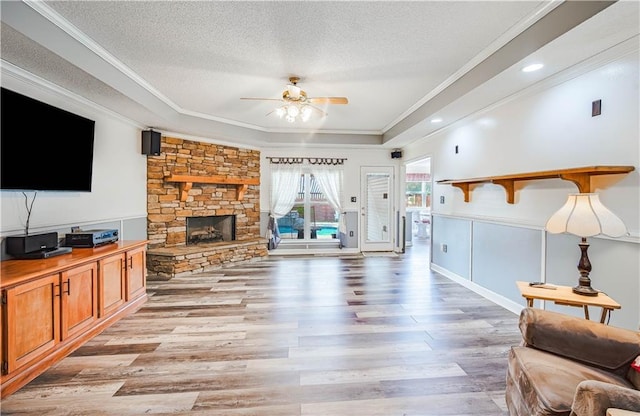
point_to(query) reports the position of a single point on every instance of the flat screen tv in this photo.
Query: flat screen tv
(42, 147)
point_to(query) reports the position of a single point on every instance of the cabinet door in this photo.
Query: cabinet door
(3, 328)
(112, 289)
(136, 273)
(79, 299)
(32, 320)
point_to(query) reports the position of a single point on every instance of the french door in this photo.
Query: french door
(377, 208)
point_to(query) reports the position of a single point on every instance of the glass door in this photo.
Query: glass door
(377, 209)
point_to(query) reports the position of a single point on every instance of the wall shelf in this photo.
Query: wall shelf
(185, 183)
(580, 176)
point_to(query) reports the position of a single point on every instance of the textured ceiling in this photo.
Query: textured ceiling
(182, 66)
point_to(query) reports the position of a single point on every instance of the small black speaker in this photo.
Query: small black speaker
(396, 154)
(151, 142)
(24, 244)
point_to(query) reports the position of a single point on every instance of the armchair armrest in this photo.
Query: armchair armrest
(595, 397)
(590, 342)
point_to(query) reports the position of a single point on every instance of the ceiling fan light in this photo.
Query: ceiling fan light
(306, 113)
(281, 111)
(293, 111)
(290, 119)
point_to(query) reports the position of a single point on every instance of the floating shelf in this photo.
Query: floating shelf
(185, 182)
(580, 176)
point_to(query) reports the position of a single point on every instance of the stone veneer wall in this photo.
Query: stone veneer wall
(166, 214)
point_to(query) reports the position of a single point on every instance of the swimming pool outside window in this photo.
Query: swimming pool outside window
(312, 216)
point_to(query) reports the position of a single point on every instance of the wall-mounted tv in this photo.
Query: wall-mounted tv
(42, 147)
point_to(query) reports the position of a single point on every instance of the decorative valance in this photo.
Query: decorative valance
(310, 160)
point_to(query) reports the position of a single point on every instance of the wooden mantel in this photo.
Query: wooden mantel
(185, 182)
(580, 176)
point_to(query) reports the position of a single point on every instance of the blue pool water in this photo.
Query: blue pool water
(285, 229)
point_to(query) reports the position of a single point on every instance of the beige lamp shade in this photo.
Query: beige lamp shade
(585, 216)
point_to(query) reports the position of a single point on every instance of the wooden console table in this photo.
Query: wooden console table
(52, 306)
(563, 295)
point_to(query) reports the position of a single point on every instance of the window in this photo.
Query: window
(312, 216)
(418, 190)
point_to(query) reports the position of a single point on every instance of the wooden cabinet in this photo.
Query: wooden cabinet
(78, 299)
(136, 272)
(50, 307)
(42, 313)
(33, 320)
(112, 283)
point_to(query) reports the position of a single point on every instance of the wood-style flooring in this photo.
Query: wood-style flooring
(288, 336)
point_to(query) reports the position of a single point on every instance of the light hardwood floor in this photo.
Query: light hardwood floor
(290, 336)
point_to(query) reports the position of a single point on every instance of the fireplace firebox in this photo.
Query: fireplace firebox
(211, 229)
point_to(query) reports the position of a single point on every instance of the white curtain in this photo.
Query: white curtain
(285, 180)
(329, 178)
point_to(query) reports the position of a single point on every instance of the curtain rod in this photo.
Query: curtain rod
(311, 160)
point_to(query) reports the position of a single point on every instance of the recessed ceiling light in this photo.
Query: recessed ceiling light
(532, 67)
(436, 120)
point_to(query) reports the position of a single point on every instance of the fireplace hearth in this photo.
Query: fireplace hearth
(211, 229)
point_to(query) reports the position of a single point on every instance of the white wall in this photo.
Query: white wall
(118, 193)
(550, 127)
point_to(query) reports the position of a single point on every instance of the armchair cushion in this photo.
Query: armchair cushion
(589, 342)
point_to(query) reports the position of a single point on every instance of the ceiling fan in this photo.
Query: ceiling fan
(297, 103)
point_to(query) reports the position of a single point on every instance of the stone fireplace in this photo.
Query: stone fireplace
(211, 229)
(203, 207)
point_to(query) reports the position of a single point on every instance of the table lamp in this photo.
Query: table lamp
(585, 216)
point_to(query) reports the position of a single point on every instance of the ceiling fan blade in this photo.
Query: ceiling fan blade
(328, 100)
(261, 99)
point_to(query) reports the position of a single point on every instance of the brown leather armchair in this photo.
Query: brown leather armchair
(571, 366)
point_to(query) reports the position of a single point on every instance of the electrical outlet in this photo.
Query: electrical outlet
(442, 199)
(444, 248)
(353, 199)
(350, 233)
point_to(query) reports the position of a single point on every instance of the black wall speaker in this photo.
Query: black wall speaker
(396, 154)
(151, 142)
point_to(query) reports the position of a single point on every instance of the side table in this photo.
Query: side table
(619, 412)
(563, 295)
